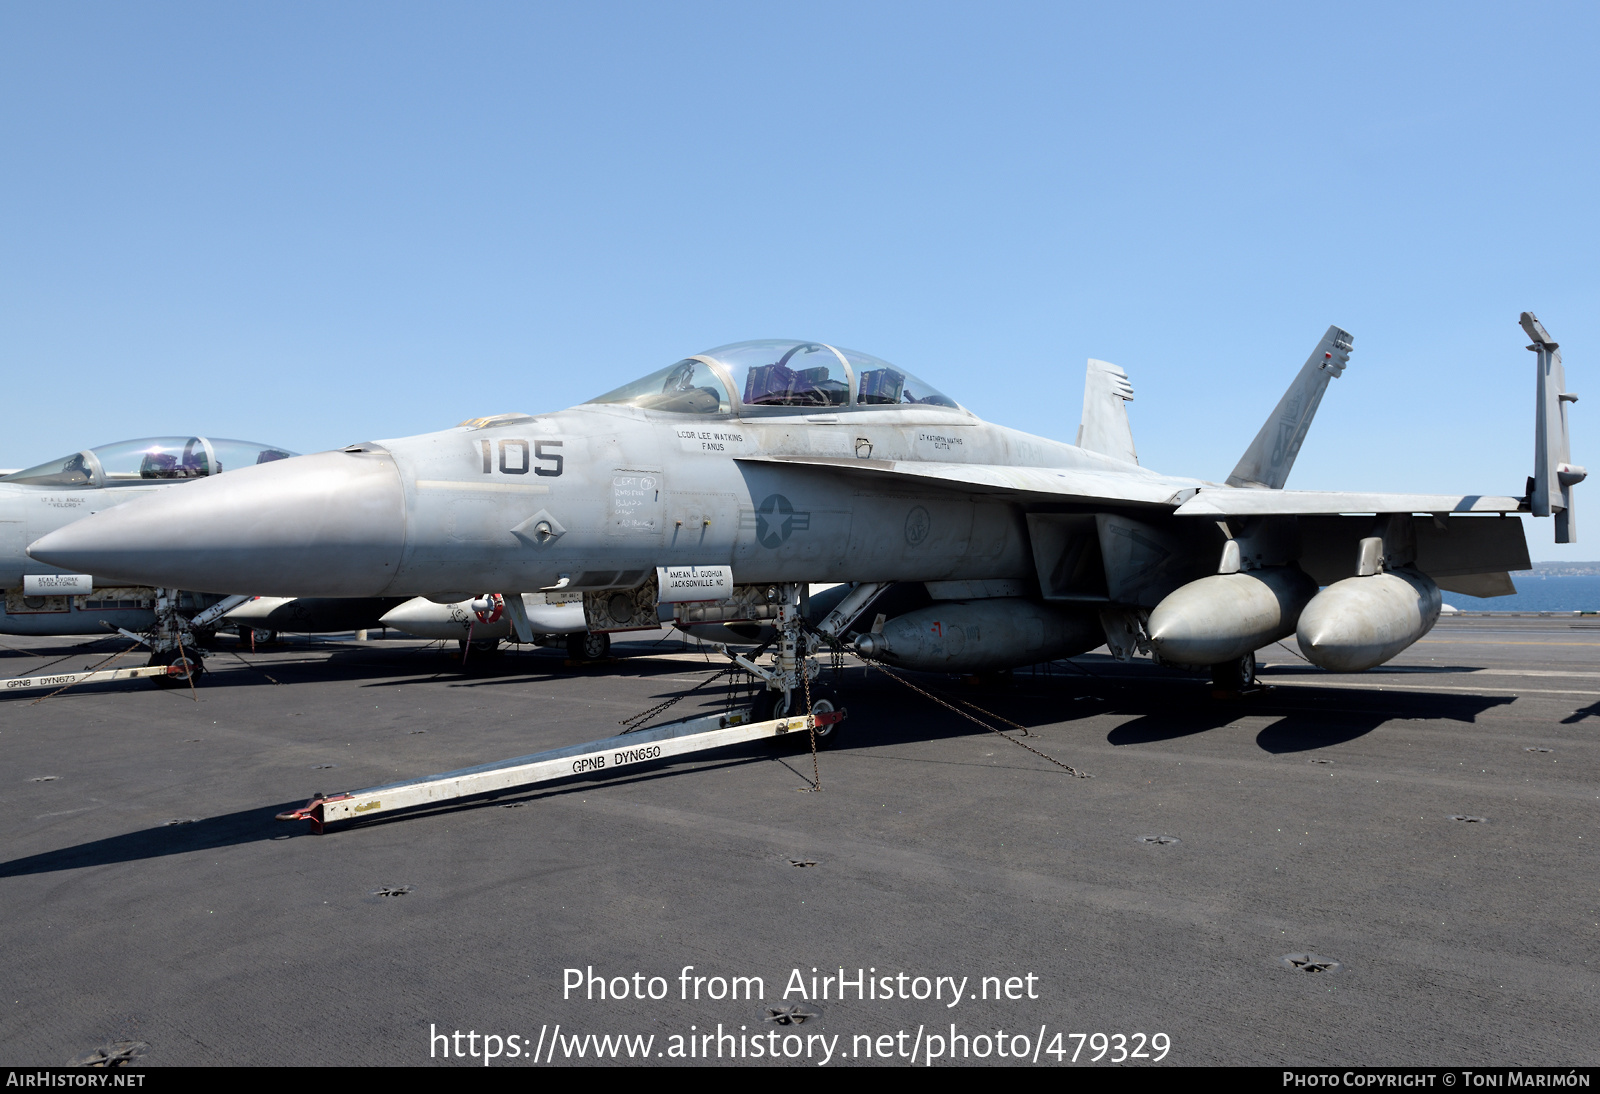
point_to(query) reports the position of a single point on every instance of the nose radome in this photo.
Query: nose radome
(329, 524)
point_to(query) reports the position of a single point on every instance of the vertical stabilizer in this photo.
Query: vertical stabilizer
(1554, 476)
(1105, 428)
(1267, 461)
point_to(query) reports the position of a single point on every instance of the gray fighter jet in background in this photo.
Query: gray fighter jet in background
(717, 488)
(41, 599)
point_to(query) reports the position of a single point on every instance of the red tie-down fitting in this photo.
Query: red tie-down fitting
(489, 607)
(311, 811)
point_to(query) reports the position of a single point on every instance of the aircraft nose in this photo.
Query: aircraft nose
(329, 524)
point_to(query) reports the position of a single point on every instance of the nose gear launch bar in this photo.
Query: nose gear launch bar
(609, 754)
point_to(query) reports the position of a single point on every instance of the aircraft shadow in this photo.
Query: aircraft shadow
(204, 834)
(1308, 730)
(1295, 669)
(1161, 710)
(1590, 711)
(1170, 725)
(259, 825)
(1339, 715)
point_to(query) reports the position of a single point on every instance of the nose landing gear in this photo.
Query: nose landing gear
(184, 666)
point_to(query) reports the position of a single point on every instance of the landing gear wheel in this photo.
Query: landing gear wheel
(1235, 676)
(190, 667)
(588, 646)
(480, 646)
(774, 704)
(250, 636)
(823, 702)
(770, 705)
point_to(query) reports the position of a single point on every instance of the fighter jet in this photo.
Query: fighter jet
(41, 599)
(719, 486)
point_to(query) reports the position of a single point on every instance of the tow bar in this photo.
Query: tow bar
(609, 754)
(22, 683)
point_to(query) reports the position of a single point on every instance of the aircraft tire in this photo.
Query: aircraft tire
(588, 646)
(1236, 675)
(773, 704)
(188, 656)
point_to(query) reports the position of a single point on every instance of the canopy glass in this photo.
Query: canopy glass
(130, 463)
(776, 373)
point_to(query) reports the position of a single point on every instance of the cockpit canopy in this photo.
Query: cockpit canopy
(131, 463)
(776, 373)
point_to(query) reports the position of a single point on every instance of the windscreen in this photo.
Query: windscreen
(688, 387)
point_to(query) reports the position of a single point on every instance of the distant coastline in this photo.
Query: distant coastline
(1563, 569)
(1551, 587)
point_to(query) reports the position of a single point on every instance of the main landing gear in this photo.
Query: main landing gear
(1236, 677)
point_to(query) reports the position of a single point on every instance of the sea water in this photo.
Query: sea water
(1554, 593)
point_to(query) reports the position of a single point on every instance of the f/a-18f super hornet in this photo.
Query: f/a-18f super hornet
(41, 599)
(725, 482)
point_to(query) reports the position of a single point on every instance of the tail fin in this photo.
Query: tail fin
(1106, 395)
(1554, 476)
(1267, 461)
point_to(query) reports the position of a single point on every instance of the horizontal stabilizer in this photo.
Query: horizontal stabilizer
(1484, 585)
(1271, 455)
(1105, 428)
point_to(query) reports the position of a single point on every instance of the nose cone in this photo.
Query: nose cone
(329, 524)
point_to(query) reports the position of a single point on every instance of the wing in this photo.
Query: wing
(1185, 497)
(1228, 501)
(1052, 483)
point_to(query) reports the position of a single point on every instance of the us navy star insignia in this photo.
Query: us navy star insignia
(775, 520)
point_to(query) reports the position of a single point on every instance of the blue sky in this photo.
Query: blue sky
(319, 223)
